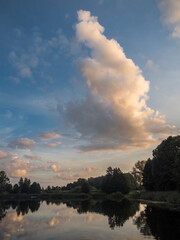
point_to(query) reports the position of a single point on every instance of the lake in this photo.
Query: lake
(86, 220)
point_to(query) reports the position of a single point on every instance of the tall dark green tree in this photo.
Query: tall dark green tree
(163, 171)
(115, 181)
(147, 176)
(24, 185)
(35, 188)
(16, 188)
(130, 181)
(4, 181)
(163, 163)
(85, 187)
(176, 170)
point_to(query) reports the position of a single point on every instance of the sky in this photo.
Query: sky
(85, 85)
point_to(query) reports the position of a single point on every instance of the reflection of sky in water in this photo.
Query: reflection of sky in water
(61, 222)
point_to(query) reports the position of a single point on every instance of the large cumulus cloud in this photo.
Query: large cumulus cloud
(113, 114)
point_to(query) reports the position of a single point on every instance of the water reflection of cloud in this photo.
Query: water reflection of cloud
(92, 217)
(27, 234)
(61, 222)
(11, 224)
(54, 221)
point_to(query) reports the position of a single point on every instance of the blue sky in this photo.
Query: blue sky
(82, 90)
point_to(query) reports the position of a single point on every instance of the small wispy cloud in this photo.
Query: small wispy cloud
(150, 65)
(171, 15)
(92, 169)
(23, 64)
(44, 136)
(34, 158)
(54, 144)
(39, 53)
(70, 177)
(18, 32)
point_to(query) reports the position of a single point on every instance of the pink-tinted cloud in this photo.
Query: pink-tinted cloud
(34, 158)
(45, 136)
(3, 154)
(22, 143)
(14, 166)
(56, 168)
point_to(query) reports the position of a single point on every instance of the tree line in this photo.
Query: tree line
(23, 186)
(161, 173)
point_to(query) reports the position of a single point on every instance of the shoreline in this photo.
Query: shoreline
(117, 197)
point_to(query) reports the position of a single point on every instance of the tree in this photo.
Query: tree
(9, 187)
(109, 171)
(130, 180)
(147, 175)
(35, 188)
(162, 173)
(96, 182)
(115, 181)
(16, 188)
(137, 172)
(85, 187)
(24, 185)
(164, 162)
(176, 170)
(48, 189)
(4, 180)
(20, 183)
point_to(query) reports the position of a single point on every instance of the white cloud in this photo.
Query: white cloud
(22, 143)
(171, 15)
(113, 114)
(44, 136)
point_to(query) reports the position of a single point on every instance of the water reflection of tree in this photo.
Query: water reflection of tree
(161, 223)
(141, 222)
(24, 207)
(118, 212)
(21, 207)
(2, 211)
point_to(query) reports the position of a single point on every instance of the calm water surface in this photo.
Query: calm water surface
(87, 220)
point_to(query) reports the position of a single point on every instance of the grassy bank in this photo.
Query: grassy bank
(171, 198)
